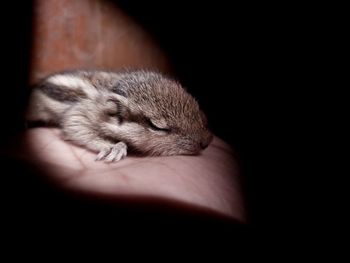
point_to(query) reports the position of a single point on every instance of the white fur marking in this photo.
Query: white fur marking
(74, 83)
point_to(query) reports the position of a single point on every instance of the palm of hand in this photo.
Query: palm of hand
(209, 180)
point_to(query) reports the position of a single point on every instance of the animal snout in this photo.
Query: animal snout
(204, 145)
(206, 141)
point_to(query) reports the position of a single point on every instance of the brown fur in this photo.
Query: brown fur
(142, 110)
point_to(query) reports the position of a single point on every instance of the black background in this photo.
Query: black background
(246, 63)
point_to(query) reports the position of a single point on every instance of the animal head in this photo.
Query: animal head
(158, 117)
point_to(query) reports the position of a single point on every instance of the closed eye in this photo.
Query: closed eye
(157, 128)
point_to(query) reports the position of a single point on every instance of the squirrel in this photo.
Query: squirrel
(112, 113)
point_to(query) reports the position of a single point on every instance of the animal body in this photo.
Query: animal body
(112, 113)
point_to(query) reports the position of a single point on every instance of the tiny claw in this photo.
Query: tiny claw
(102, 154)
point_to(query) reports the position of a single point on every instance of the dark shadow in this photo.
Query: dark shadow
(247, 64)
(225, 54)
(199, 41)
(16, 34)
(35, 203)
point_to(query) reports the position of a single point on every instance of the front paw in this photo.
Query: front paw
(113, 154)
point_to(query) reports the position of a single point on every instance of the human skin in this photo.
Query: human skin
(208, 181)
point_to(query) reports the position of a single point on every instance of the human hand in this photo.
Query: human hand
(209, 180)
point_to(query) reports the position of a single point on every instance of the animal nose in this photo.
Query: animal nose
(204, 143)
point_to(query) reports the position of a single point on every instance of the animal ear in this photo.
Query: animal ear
(121, 103)
(120, 90)
(118, 99)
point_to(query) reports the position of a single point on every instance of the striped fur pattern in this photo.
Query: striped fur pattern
(113, 112)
